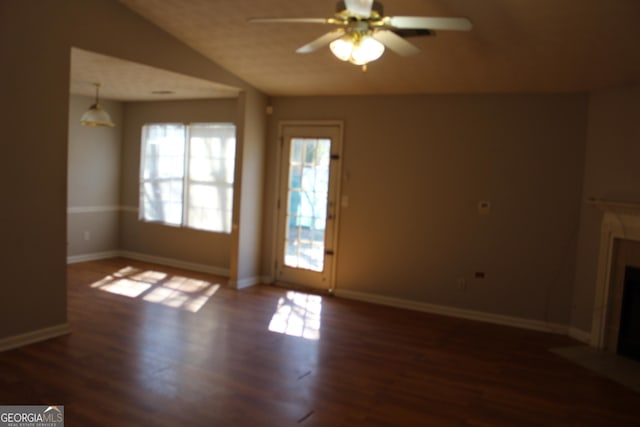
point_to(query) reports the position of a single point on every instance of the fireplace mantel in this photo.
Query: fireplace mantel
(620, 221)
(616, 207)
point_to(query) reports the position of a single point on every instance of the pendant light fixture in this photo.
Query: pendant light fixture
(95, 115)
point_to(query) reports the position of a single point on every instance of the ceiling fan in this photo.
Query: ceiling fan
(363, 31)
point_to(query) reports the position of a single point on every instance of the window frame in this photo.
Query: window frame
(187, 181)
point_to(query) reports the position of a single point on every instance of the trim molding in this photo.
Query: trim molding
(481, 316)
(93, 209)
(245, 283)
(518, 322)
(580, 335)
(100, 209)
(218, 271)
(203, 268)
(34, 336)
(72, 259)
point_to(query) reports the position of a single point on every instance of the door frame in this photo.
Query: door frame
(282, 124)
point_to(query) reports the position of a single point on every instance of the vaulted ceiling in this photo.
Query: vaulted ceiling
(515, 46)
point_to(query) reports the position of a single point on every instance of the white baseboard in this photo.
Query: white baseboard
(481, 316)
(203, 268)
(72, 259)
(580, 335)
(34, 336)
(245, 283)
(218, 271)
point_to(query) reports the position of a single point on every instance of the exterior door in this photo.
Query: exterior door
(307, 208)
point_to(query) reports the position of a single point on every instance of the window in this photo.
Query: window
(186, 174)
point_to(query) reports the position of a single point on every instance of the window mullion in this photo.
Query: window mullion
(185, 179)
(142, 214)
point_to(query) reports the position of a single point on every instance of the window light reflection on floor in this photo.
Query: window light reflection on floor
(189, 294)
(158, 287)
(298, 315)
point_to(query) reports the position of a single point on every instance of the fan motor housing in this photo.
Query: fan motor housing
(376, 9)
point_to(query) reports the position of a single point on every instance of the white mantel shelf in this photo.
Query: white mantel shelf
(628, 208)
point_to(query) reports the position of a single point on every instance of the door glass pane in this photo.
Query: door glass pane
(307, 203)
(295, 176)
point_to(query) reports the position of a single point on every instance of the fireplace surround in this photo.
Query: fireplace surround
(619, 249)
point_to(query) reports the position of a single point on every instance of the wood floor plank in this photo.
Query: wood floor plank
(151, 359)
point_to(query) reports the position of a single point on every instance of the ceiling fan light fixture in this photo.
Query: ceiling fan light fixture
(364, 31)
(359, 49)
(342, 48)
(95, 115)
(366, 50)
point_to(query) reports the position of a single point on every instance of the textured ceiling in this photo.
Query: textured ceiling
(128, 81)
(515, 45)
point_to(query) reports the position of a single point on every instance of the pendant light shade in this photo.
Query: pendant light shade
(95, 115)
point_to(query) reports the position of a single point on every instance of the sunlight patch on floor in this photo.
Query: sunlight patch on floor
(158, 287)
(298, 315)
(124, 287)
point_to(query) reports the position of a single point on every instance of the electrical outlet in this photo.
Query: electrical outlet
(484, 207)
(462, 284)
(87, 235)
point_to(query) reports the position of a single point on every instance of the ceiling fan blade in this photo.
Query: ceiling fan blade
(294, 20)
(429, 23)
(360, 8)
(321, 41)
(395, 43)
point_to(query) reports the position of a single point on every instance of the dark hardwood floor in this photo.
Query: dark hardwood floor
(161, 356)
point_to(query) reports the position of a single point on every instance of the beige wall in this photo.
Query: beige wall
(35, 39)
(93, 183)
(193, 246)
(415, 168)
(33, 218)
(612, 172)
(249, 189)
